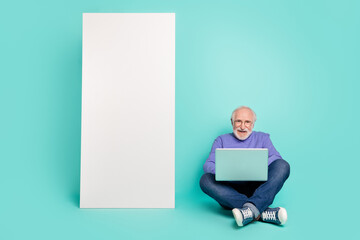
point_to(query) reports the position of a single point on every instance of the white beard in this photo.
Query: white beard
(242, 138)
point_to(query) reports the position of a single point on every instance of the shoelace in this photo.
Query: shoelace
(247, 213)
(269, 215)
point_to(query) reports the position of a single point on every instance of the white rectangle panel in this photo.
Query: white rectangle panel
(128, 111)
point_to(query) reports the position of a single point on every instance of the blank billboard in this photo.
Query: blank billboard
(128, 111)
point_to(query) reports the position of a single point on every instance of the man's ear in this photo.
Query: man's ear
(231, 122)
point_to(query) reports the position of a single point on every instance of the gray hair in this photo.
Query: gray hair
(241, 107)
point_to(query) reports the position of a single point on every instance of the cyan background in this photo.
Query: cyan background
(295, 62)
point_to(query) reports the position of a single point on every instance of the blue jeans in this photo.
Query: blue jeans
(235, 194)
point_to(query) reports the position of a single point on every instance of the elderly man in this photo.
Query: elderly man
(249, 200)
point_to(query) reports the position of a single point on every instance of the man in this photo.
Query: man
(248, 200)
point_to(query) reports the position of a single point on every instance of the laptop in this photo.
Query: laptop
(241, 164)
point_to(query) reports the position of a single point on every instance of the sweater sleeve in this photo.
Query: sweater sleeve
(273, 154)
(209, 166)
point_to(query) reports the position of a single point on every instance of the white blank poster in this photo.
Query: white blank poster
(128, 111)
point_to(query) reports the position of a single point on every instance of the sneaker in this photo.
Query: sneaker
(274, 215)
(243, 216)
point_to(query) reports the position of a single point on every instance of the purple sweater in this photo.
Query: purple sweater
(255, 140)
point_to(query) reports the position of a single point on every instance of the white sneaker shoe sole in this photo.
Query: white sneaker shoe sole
(238, 217)
(282, 214)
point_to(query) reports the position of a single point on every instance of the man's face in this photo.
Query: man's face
(243, 123)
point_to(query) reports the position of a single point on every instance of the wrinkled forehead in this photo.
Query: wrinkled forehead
(244, 114)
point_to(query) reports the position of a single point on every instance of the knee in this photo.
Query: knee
(206, 181)
(282, 168)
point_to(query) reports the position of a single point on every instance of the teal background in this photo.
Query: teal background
(296, 63)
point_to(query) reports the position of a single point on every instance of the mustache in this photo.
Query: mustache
(242, 130)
